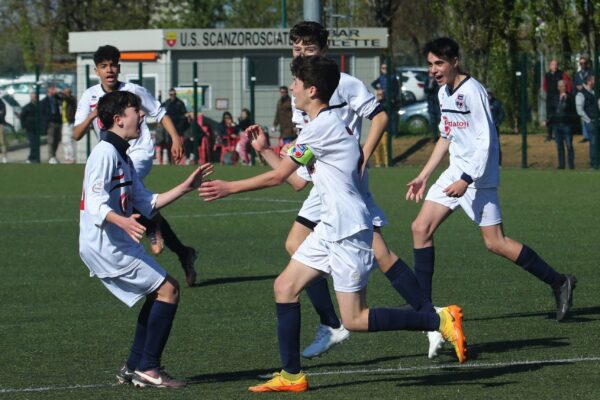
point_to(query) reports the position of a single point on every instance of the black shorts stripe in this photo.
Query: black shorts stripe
(306, 222)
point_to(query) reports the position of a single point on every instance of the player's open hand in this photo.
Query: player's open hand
(258, 138)
(457, 189)
(416, 189)
(214, 190)
(198, 176)
(283, 152)
(134, 229)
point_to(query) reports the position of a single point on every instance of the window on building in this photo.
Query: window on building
(266, 70)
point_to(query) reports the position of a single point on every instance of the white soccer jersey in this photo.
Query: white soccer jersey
(467, 123)
(332, 156)
(141, 148)
(110, 184)
(351, 100)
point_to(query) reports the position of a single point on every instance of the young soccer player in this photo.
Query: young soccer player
(471, 181)
(352, 101)
(340, 244)
(109, 237)
(141, 150)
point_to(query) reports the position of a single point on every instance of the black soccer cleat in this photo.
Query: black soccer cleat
(564, 297)
(124, 375)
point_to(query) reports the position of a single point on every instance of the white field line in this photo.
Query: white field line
(215, 215)
(471, 365)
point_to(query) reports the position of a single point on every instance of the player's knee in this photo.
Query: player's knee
(493, 245)
(169, 291)
(420, 229)
(356, 324)
(283, 290)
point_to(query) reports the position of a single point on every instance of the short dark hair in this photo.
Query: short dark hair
(309, 32)
(107, 53)
(283, 88)
(442, 47)
(318, 71)
(115, 103)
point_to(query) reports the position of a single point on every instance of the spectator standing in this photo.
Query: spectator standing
(563, 126)
(579, 80)
(394, 93)
(283, 117)
(550, 85)
(497, 111)
(51, 121)
(431, 90)
(175, 108)
(67, 112)
(381, 151)
(27, 118)
(585, 103)
(3, 142)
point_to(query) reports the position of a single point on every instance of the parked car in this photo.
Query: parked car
(414, 118)
(413, 83)
(13, 111)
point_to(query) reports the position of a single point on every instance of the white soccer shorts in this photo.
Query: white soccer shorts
(481, 205)
(138, 282)
(349, 261)
(311, 208)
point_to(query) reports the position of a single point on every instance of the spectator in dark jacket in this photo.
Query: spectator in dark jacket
(51, 121)
(564, 117)
(431, 89)
(27, 118)
(550, 85)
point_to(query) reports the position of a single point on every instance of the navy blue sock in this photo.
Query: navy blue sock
(318, 293)
(424, 261)
(288, 334)
(160, 322)
(532, 263)
(395, 319)
(405, 282)
(139, 338)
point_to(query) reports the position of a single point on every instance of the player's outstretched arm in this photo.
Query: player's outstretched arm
(416, 187)
(176, 149)
(214, 190)
(192, 182)
(378, 126)
(132, 228)
(80, 130)
(258, 140)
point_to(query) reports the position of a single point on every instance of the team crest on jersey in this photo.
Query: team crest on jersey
(460, 101)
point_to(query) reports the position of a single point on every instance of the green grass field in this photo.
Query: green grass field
(62, 335)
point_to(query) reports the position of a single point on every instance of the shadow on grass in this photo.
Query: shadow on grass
(507, 346)
(575, 315)
(237, 279)
(449, 377)
(411, 150)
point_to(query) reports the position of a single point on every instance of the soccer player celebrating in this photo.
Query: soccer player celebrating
(340, 244)
(109, 237)
(471, 181)
(352, 101)
(141, 150)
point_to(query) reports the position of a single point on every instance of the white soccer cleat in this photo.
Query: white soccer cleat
(436, 342)
(325, 339)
